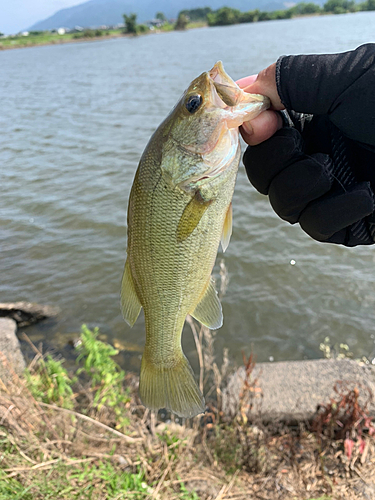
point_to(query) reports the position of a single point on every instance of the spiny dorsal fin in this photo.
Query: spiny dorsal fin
(227, 229)
(191, 216)
(130, 305)
(208, 311)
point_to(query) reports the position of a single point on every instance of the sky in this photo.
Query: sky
(17, 15)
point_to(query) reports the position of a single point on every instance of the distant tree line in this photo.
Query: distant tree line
(227, 15)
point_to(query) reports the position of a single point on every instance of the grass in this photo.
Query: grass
(77, 481)
(85, 435)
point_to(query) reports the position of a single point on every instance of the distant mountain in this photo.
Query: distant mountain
(109, 12)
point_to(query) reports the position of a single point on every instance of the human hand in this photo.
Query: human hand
(268, 122)
(319, 173)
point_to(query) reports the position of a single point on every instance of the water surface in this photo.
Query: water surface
(74, 121)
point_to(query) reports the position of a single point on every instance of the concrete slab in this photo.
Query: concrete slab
(292, 391)
(10, 348)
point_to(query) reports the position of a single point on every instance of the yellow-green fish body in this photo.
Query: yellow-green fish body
(179, 210)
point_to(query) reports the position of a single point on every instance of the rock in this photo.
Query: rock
(292, 390)
(27, 313)
(10, 349)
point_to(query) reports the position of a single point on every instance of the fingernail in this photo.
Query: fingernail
(247, 128)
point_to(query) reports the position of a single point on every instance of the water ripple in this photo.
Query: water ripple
(75, 119)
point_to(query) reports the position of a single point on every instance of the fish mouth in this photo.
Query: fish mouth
(224, 88)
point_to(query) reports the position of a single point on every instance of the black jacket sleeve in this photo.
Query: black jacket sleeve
(341, 86)
(320, 170)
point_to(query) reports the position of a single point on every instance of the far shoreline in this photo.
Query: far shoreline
(61, 41)
(112, 36)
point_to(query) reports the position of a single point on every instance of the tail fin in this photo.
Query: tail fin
(173, 388)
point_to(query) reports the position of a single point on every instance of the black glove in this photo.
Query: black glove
(319, 169)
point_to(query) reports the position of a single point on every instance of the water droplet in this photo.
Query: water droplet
(31, 219)
(292, 262)
(271, 358)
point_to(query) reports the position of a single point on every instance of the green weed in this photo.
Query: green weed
(107, 379)
(49, 382)
(88, 482)
(11, 489)
(113, 483)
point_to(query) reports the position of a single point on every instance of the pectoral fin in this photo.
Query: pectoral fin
(227, 229)
(208, 311)
(130, 305)
(191, 216)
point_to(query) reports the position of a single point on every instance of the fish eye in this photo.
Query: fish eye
(193, 103)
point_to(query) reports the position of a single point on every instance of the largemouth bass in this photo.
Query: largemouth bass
(179, 210)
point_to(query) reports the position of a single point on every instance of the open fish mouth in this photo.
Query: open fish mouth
(224, 87)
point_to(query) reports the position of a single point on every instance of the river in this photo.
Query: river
(74, 121)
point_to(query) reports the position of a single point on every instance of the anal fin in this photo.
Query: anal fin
(130, 305)
(208, 311)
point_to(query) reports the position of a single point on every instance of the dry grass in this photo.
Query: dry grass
(217, 458)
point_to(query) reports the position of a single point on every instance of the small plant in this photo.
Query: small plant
(106, 376)
(249, 388)
(344, 418)
(49, 382)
